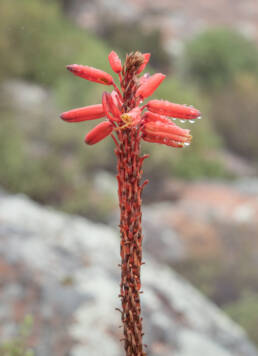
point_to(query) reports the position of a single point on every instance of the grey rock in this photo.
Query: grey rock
(63, 270)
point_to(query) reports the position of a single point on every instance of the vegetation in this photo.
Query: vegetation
(225, 66)
(19, 345)
(217, 56)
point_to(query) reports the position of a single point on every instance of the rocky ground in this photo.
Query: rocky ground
(63, 270)
(203, 219)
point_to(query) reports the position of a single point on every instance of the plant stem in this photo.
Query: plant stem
(129, 176)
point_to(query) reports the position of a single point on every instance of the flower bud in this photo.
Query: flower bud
(90, 73)
(166, 131)
(163, 141)
(150, 116)
(82, 114)
(115, 62)
(99, 132)
(150, 85)
(111, 109)
(167, 108)
(146, 60)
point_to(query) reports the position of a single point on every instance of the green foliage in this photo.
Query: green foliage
(216, 56)
(234, 111)
(60, 171)
(193, 166)
(37, 42)
(245, 313)
(18, 346)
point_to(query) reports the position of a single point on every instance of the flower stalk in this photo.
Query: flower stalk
(128, 122)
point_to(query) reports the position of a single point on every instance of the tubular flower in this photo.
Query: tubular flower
(165, 133)
(150, 116)
(90, 73)
(167, 108)
(128, 122)
(99, 132)
(150, 85)
(115, 62)
(91, 112)
(145, 62)
(111, 106)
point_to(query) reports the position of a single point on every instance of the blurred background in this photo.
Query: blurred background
(201, 205)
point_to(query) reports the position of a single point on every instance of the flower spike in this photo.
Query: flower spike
(91, 112)
(99, 132)
(127, 122)
(90, 73)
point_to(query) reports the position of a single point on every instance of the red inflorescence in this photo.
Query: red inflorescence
(128, 121)
(159, 131)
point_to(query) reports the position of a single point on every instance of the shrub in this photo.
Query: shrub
(216, 56)
(234, 112)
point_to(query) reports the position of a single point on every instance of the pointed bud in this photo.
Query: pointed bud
(167, 108)
(161, 130)
(150, 85)
(150, 116)
(146, 60)
(90, 73)
(115, 62)
(163, 141)
(82, 114)
(116, 100)
(110, 102)
(99, 132)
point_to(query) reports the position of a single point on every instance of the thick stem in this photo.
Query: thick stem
(129, 188)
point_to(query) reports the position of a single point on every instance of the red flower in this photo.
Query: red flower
(90, 73)
(150, 85)
(165, 107)
(115, 62)
(153, 125)
(166, 133)
(145, 62)
(99, 132)
(82, 114)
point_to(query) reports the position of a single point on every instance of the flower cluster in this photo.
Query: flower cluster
(151, 119)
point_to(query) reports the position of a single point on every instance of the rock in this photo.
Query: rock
(25, 95)
(63, 270)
